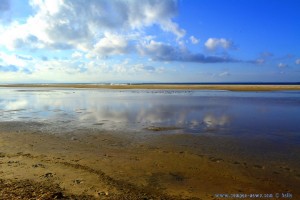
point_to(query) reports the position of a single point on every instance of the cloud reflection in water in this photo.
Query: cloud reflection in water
(193, 112)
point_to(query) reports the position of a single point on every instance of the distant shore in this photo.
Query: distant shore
(230, 87)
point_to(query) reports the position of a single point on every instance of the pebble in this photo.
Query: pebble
(77, 181)
(48, 175)
(38, 165)
(73, 138)
(103, 193)
(57, 195)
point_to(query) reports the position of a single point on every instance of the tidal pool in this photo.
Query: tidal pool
(268, 114)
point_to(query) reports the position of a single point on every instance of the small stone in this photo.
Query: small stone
(73, 138)
(77, 181)
(38, 165)
(48, 175)
(57, 195)
(103, 193)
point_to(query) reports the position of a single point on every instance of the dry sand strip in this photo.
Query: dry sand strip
(164, 86)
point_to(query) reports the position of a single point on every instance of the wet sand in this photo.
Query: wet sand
(166, 86)
(93, 164)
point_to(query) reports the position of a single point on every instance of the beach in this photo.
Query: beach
(92, 165)
(64, 160)
(149, 100)
(230, 87)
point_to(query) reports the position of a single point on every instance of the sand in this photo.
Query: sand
(93, 164)
(166, 86)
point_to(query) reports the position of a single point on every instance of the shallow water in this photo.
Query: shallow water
(274, 115)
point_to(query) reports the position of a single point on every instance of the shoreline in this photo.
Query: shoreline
(88, 164)
(241, 87)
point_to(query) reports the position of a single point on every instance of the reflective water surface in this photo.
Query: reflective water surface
(271, 114)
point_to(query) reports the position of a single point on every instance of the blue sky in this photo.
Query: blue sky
(149, 41)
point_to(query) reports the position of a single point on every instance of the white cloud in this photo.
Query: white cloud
(158, 51)
(83, 25)
(166, 52)
(170, 26)
(77, 55)
(297, 61)
(46, 6)
(194, 40)
(224, 74)
(215, 43)
(282, 65)
(111, 45)
(15, 60)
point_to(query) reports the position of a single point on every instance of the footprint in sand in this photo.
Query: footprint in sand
(2, 155)
(213, 159)
(286, 168)
(259, 166)
(177, 176)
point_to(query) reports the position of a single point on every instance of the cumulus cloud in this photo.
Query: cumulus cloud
(111, 45)
(76, 55)
(165, 52)
(218, 43)
(194, 40)
(77, 24)
(297, 61)
(172, 27)
(95, 29)
(13, 60)
(159, 51)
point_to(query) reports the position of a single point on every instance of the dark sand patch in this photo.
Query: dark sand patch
(27, 189)
(162, 128)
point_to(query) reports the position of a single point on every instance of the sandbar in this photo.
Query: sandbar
(241, 87)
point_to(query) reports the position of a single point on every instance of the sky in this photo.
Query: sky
(96, 41)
